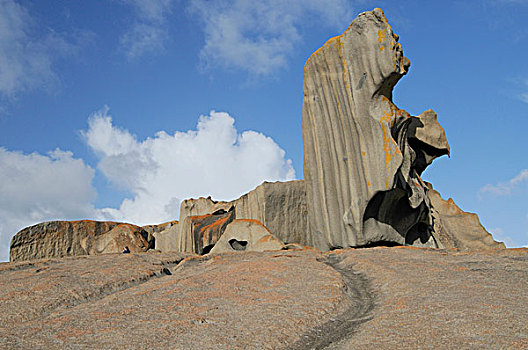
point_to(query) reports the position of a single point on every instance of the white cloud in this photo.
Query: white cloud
(149, 30)
(258, 36)
(36, 188)
(161, 171)
(27, 52)
(505, 188)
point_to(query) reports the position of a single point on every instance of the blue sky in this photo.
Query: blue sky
(117, 110)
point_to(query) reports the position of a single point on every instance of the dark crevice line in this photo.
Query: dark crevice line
(165, 269)
(341, 327)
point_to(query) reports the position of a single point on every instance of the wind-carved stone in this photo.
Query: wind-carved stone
(363, 156)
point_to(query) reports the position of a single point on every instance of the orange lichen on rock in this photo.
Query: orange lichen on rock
(207, 229)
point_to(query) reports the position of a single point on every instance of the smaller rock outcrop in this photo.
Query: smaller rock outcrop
(167, 239)
(456, 228)
(279, 206)
(72, 238)
(154, 230)
(203, 231)
(247, 235)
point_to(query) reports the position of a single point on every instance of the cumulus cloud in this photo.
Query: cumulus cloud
(215, 159)
(505, 188)
(258, 36)
(149, 30)
(36, 188)
(27, 52)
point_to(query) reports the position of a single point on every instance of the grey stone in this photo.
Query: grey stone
(279, 206)
(166, 240)
(246, 235)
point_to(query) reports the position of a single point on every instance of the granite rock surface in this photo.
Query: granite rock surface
(72, 238)
(372, 298)
(279, 206)
(246, 235)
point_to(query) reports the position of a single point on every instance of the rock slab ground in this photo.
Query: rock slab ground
(365, 298)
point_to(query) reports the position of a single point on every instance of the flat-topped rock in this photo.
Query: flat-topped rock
(73, 238)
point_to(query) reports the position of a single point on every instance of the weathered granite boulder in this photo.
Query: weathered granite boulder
(247, 235)
(164, 235)
(153, 230)
(200, 233)
(71, 238)
(279, 206)
(455, 228)
(363, 156)
(166, 240)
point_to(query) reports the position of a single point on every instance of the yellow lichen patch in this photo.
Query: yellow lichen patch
(382, 48)
(386, 120)
(382, 35)
(324, 47)
(368, 183)
(340, 49)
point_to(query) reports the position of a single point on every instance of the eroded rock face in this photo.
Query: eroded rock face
(72, 238)
(246, 235)
(363, 156)
(164, 235)
(455, 228)
(200, 233)
(279, 206)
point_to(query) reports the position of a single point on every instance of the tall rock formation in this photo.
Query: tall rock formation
(363, 156)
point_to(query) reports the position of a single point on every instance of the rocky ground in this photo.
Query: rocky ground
(364, 298)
